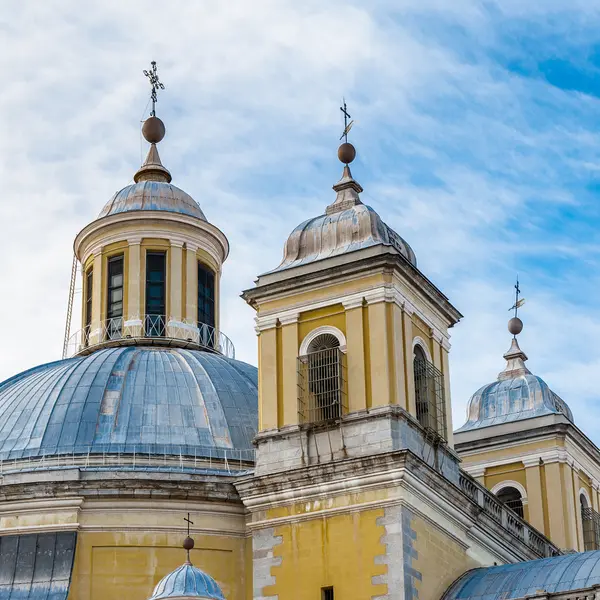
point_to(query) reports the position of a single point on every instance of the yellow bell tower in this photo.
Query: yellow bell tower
(350, 334)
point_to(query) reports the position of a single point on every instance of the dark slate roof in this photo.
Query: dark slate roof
(507, 582)
(131, 399)
(36, 566)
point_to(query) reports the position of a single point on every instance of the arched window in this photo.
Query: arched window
(429, 393)
(321, 380)
(511, 497)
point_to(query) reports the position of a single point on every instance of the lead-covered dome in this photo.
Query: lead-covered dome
(187, 582)
(346, 226)
(515, 396)
(152, 195)
(132, 399)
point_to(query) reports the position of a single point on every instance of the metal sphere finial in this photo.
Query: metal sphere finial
(188, 543)
(515, 326)
(153, 130)
(346, 153)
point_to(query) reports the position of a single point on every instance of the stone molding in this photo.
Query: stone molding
(323, 330)
(513, 484)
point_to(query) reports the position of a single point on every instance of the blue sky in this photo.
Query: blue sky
(476, 130)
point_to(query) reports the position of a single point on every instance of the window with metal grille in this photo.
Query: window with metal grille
(89, 288)
(429, 394)
(206, 296)
(322, 381)
(511, 498)
(155, 294)
(327, 593)
(114, 305)
(590, 520)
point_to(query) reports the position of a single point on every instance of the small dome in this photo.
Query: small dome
(516, 395)
(188, 582)
(132, 399)
(347, 225)
(152, 195)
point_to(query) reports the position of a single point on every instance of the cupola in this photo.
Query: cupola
(151, 266)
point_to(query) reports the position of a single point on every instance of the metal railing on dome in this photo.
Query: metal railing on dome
(150, 329)
(139, 458)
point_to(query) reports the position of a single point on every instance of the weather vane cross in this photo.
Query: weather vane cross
(518, 301)
(347, 125)
(187, 520)
(152, 76)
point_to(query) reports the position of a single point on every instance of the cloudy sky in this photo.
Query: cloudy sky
(477, 137)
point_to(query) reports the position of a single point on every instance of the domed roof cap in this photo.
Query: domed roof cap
(187, 582)
(346, 226)
(516, 395)
(152, 189)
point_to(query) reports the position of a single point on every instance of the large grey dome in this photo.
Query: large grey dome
(131, 400)
(152, 195)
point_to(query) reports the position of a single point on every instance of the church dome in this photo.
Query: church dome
(152, 195)
(187, 582)
(346, 226)
(515, 396)
(133, 399)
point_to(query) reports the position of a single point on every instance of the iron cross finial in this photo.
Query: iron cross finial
(187, 520)
(347, 126)
(518, 301)
(152, 76)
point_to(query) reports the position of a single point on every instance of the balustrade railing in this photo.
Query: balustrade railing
(506, 517)
(156, 328)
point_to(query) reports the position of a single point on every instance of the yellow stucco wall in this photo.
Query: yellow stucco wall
(336, 551)
(113, 565)
(440, 559)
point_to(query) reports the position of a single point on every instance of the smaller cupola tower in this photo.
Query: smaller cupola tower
(151, 265)
(352, 339)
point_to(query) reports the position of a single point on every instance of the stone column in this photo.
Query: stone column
(289, 355)
(555, 499)
(175, 327)
(408, 359)
(379, 352)
(267, 373)
(397, 330)
(569, 498)
(533, 480)
(355, 355)
(578, 516)
(191, 284)
(445, 350)
(96, 326)
(133, 319)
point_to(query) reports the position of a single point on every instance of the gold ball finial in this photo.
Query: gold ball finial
(515, 326)
(346, 153)
(188, 543)
(153, 130)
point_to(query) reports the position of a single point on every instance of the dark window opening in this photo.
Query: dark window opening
(321, 381)
(591, 525)
(429, 394)
(155, 294)
(206, 296)
(511, 498)
(89, 288)
(114, 305)
(327, 593)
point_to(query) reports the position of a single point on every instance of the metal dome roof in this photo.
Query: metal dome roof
(189, 582)
(556, 574)
(130, 399)
(515, 396)
(346, 226)
(152, 195)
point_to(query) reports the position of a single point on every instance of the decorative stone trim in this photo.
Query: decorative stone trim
(419, 341)
(353, 302)
(264, 323)
(324, 330)
(513, 484)
(289, 319)
(583, 492)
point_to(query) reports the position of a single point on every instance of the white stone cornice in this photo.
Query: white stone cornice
(191, 247)
(134, 241)
(477, 471)
(531, 461)
(265, 323)
(176, 243)
(353, 302)
(96, 251)
(289, 319)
